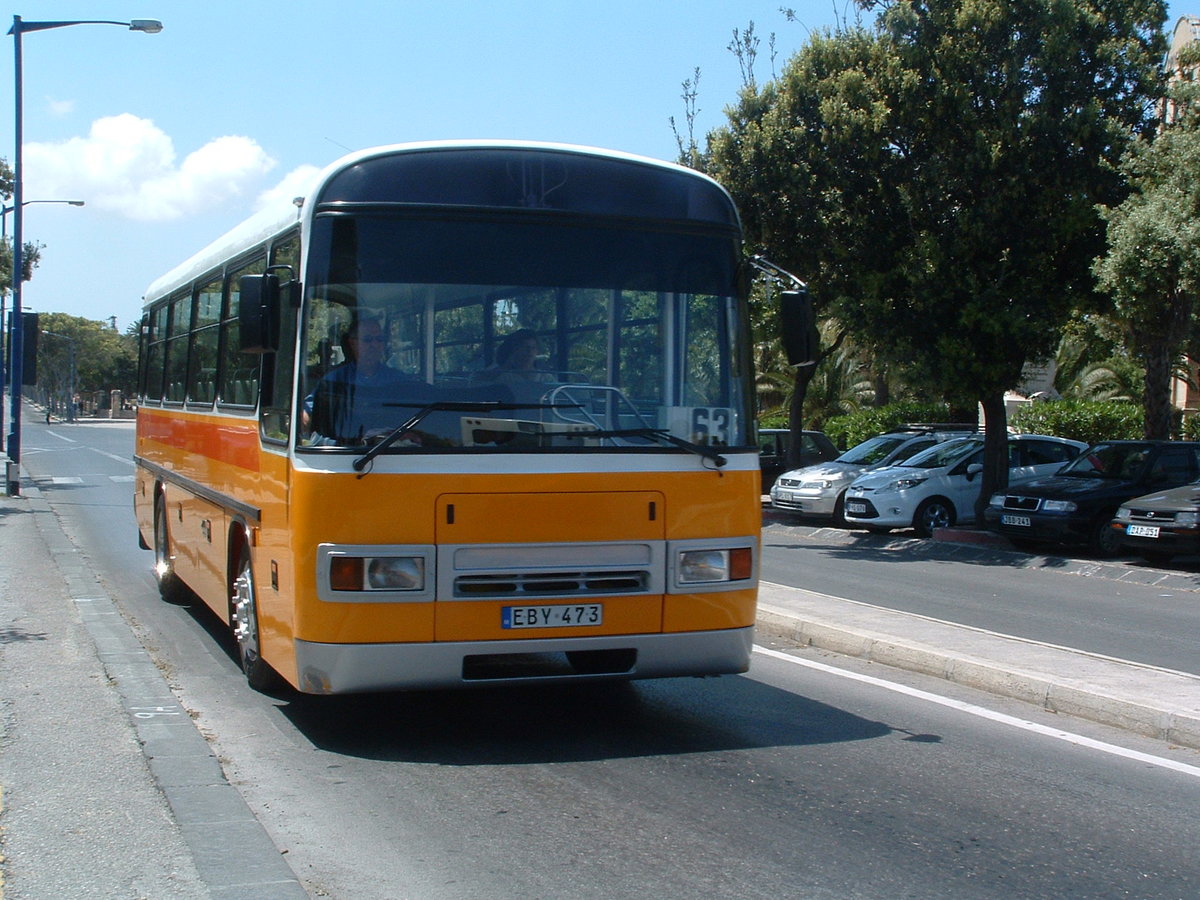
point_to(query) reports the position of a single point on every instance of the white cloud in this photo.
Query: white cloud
(295, 183)
(128, 165)
(60, 108)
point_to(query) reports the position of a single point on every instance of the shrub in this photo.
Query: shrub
(846, 431)
(1081, 420)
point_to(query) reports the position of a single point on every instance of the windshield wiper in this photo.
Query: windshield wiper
(439, 406)
(659, 434)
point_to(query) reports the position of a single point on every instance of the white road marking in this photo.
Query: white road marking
(983, 713)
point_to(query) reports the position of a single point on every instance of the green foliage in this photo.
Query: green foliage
(1081, 420)
(846, 431)
(31, 257)
(1152, 267)
(1190, 428)
(104, 359)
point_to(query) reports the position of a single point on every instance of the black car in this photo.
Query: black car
(1076, 504)
(773, 446)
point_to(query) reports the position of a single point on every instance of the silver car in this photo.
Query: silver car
(820, 490)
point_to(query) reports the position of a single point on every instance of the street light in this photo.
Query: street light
(15, 348)
(4, 356)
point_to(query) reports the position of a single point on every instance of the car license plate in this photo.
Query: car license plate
(1022, 521)
(856, 506)
(1150, 531)
(562, 616)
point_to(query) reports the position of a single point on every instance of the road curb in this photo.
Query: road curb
(1060, 686)
(232, 851)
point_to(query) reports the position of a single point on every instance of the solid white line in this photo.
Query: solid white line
(61, 437)
(122, 459)
(983, 713)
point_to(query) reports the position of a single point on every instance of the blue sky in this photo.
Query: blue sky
(172, 139)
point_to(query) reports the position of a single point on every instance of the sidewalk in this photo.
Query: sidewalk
(107, 789)
(1156, 702)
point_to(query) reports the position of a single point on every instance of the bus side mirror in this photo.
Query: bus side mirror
(798, 328)
(258, 313)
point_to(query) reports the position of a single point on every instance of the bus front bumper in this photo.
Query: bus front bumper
(351, 668)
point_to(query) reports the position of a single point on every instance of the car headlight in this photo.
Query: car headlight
(1187, 519)
(1059, 506)
(997, 501)
(902, 484)
(1123, 513)
(823, 485)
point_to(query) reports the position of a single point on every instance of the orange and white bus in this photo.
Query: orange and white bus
(336, 455)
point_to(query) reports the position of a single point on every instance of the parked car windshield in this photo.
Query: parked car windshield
(944, 454)
(872, 450)
(1117, 461)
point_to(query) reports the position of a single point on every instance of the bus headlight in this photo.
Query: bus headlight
(368, 574)
(378, 573)
(710, 566)
(392, 573)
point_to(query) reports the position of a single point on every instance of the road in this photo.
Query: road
(1040, 598)
(812, 776)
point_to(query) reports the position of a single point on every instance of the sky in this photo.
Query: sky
(172, 139)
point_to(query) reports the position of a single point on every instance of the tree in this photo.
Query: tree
(936, 177)
(1152, 267)
(105, 359)
(32, 255)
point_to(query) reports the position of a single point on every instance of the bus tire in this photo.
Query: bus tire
(170, 588)
(259, 675)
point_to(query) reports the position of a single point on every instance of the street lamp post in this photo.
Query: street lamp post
(5, 344)
(19, 27)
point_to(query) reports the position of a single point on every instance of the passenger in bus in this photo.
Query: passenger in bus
(363, 394)
(516, 361)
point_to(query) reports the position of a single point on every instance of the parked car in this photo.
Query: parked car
(938, 488)
(820, 490)
(1076, 505)
(1161, 525)
(773, 446)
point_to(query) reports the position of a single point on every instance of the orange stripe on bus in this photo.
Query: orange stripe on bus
(225, 440)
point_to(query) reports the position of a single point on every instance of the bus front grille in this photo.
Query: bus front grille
(557, 583)
(483, 572)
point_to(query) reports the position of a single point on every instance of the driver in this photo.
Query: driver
(348, 402)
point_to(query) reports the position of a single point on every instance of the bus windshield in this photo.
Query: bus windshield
(519, 331)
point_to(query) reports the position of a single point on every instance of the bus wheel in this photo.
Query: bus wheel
(259, 675)
(170, 588)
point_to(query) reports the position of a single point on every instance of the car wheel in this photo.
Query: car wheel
(839, 511)
(1105, 541)
(170, 588)
(259, 675)
(933, 513)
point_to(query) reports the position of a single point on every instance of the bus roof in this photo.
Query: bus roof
(285, 212)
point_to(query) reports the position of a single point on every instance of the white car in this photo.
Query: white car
(938, 488)
(820, 489)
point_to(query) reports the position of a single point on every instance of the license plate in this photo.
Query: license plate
(1023, 521)
(855, 506)
(561, 616)
(1150, 531)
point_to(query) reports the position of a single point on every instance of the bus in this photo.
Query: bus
(443, 520)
